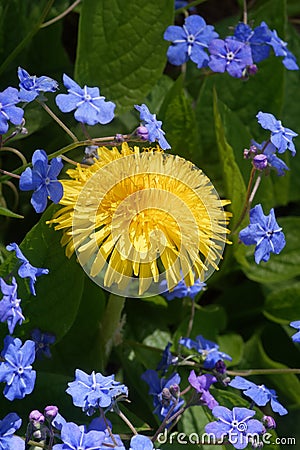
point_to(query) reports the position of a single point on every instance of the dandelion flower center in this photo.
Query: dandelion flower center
(136, 218)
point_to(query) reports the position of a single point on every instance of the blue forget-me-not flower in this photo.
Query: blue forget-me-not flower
(31, 86)
(155, 133)
(257, 39)
(8, 109)
(181, 290)
(208, 350)
(27, 270)
(264, 232)
(259, 394)
(280, 49)
(190, 41)
(76, 437)
(167, 359)
(8, 426)
(296, 324)
(16, 369)
(140, 442)
(10, 309)
(90, 107)
(237, 425)
(229, 55)
(42, 179)
(281, 137)
(93, 391)
(42, 342)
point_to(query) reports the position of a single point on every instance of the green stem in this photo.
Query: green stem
(57, 120)
(60, 16)
(127, 421)
(185, 8)
(16, 152)
(261, 371)
(27, 38)
(246, 204)
(245, 14)
(110, 326)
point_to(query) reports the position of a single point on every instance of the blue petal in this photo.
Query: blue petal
(67, 102)
(277, 407)
(173, 32)
(39, 200)
(86, 113)
(177, 54)
(106, 112)
(56, 166)
(267, 121)
(25, 183)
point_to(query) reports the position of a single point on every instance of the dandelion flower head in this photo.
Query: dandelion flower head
(139, 216)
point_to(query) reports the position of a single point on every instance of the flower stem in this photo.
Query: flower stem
(16, 152)
(60, 16)
(185, 8)
(246, 204)
(127, 421)
(191, 321)
(164, 422)
(245, 14)
(262, 371)
(10, 174)
(60, 123)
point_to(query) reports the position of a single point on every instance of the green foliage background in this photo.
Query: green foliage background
(118, 45)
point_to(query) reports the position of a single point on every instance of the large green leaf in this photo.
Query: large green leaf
(283, 305)
(280, 267)
(121, 47)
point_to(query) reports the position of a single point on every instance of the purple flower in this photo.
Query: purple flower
(42, 342)
(260, 161)
(264, 232)
(229, 55)
(167, 359)
(8, 426)
(91, 108)
(236, 425)
(10, 310)
(32, 86)
(26, 270)
(259, 394)
(42, 179)
(296, 324)
(139, 442)
(163, 390)
(16, 370)
(281, 137)
(280, 49)
(208, 350)
(93, 391)
(257, 39)
(8, 111)
(155, 133)
(76, 437)
(273, 161)
(202, 384)
(181, 290)
(190, 41)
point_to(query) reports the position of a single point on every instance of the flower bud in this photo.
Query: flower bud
(50, 412)
(269, 422)
(260, 161)
(220, 366)
(36, 416)
(175, 390)
(142, 132)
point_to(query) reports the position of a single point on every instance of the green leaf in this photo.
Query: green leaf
(123, 50)
(233, 345)
(282, 305)
(8, 213)
(233, 179)
(280, 267)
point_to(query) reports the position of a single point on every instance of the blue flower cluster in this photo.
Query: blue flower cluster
(237, 54)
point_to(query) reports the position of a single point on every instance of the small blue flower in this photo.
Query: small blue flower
(237, 425)
(93, 391)
(264, 232)
(281, 137)
(280, 49)
(10, 310)
(202, 384)
(16, 370)
(32, 86)
(155, 133)
(91, 108)
(162, 390)
(259, 394)
(8, 111)
(26, 270)
(296, 324)
(100, 424)
(229, 55)
(258, 39)
(140, 442)
(181, 290)
(268, 149)
(42, 179)
(208, 350)
(8, 426)
(190, 41)
(167, 359)
(42, 342)
(76, 437)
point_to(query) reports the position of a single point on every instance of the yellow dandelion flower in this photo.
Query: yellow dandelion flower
(136, 218)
